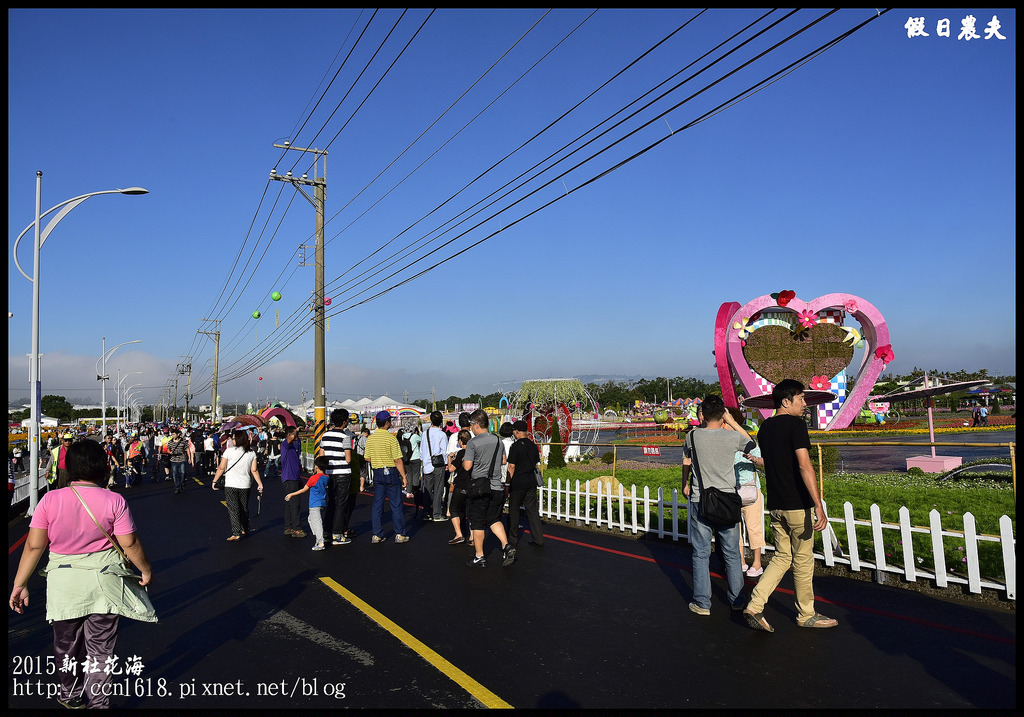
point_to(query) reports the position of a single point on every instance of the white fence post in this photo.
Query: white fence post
(909, 568)
(938, 549)
(647, 509)
(1009, 556)
(879, 543)
(851, 536)
(971, 548)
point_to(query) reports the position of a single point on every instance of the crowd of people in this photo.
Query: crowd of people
(465, 475)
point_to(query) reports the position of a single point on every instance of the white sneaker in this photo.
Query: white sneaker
(401, 538)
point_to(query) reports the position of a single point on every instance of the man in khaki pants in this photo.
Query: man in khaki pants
(792, 495)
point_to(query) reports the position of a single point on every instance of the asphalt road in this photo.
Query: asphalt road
(591, 620)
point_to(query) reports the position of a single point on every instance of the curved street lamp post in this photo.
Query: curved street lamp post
(40, 236)
(101, 375)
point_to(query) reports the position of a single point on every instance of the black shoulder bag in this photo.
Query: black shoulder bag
(717, 507)
(481, 485)
(438, 461)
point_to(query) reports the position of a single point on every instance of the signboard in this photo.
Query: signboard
(652, 451)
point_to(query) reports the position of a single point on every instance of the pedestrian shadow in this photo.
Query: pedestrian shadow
(675, 560)
(182, 597)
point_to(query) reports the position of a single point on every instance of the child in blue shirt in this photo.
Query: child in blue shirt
(317, 487)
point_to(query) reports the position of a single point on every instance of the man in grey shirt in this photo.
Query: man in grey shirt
(483, 459)
(713, 449)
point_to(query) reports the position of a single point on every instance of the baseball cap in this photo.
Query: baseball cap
(520, 426)
(383, 417)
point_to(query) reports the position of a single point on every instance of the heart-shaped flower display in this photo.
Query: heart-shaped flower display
(743, 361)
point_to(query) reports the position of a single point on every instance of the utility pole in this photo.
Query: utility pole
(216, 358)
(433, 399)
(185, 369)
(319, 185)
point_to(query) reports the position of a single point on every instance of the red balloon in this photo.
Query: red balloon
(261, 378)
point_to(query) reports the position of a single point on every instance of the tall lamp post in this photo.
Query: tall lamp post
(102, 376)
(124, 393)
(40, 237)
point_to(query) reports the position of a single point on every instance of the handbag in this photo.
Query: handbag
(747, 493)
(717, 507)
(437, 461)
(481, 485)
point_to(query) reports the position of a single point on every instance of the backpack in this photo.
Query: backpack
(406, 445)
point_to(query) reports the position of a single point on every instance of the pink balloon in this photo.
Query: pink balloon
(327, 301)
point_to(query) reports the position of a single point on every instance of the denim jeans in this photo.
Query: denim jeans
(178, 473)
(728, 544)
(390, 487)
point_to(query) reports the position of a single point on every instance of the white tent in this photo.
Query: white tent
(47, 421)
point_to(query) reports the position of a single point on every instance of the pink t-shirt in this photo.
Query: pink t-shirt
(68, 526)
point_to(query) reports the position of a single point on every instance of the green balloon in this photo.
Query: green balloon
(276, 296)
(256, 314)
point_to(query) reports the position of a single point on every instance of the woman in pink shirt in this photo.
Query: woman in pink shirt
(85, 577)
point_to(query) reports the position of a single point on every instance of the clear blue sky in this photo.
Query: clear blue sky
(883, 168)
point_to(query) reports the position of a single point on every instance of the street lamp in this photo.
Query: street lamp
(102, 376)
(124, 393)
(40, 237)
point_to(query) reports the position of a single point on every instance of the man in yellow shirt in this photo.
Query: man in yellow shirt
(389, 481)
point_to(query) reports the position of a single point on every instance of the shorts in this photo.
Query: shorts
(457, 506)
(485, 511)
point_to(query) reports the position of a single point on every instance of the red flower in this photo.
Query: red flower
(821, 383)
(785, 297)
(885, 353)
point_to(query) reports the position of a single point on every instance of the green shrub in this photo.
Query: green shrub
(608, 458)
(915, 471)
(556, 456)
(829, 458)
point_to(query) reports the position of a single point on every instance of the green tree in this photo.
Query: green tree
(57, 407)
(556, 453)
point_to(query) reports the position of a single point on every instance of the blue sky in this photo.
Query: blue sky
(884, 168)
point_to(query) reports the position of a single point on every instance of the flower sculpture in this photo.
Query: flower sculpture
(742, 328)
(885, 353)
(807, 318)
(850, 306)
(784, 297)
(821, 383)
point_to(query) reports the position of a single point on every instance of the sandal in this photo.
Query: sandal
(457, 541)
(235, 537)
(820, 621)
(757, 621)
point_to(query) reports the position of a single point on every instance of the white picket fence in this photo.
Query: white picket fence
(634, 513)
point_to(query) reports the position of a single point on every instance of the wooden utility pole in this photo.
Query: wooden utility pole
(216, 358)
(319, 185)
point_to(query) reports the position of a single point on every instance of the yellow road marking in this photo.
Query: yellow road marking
(478, 691)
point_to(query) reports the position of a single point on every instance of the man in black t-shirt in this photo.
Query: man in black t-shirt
(792, 495)
(523, 462)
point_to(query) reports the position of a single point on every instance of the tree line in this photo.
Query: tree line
(610, 394)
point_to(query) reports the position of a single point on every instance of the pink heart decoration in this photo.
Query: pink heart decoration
(730, 361)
